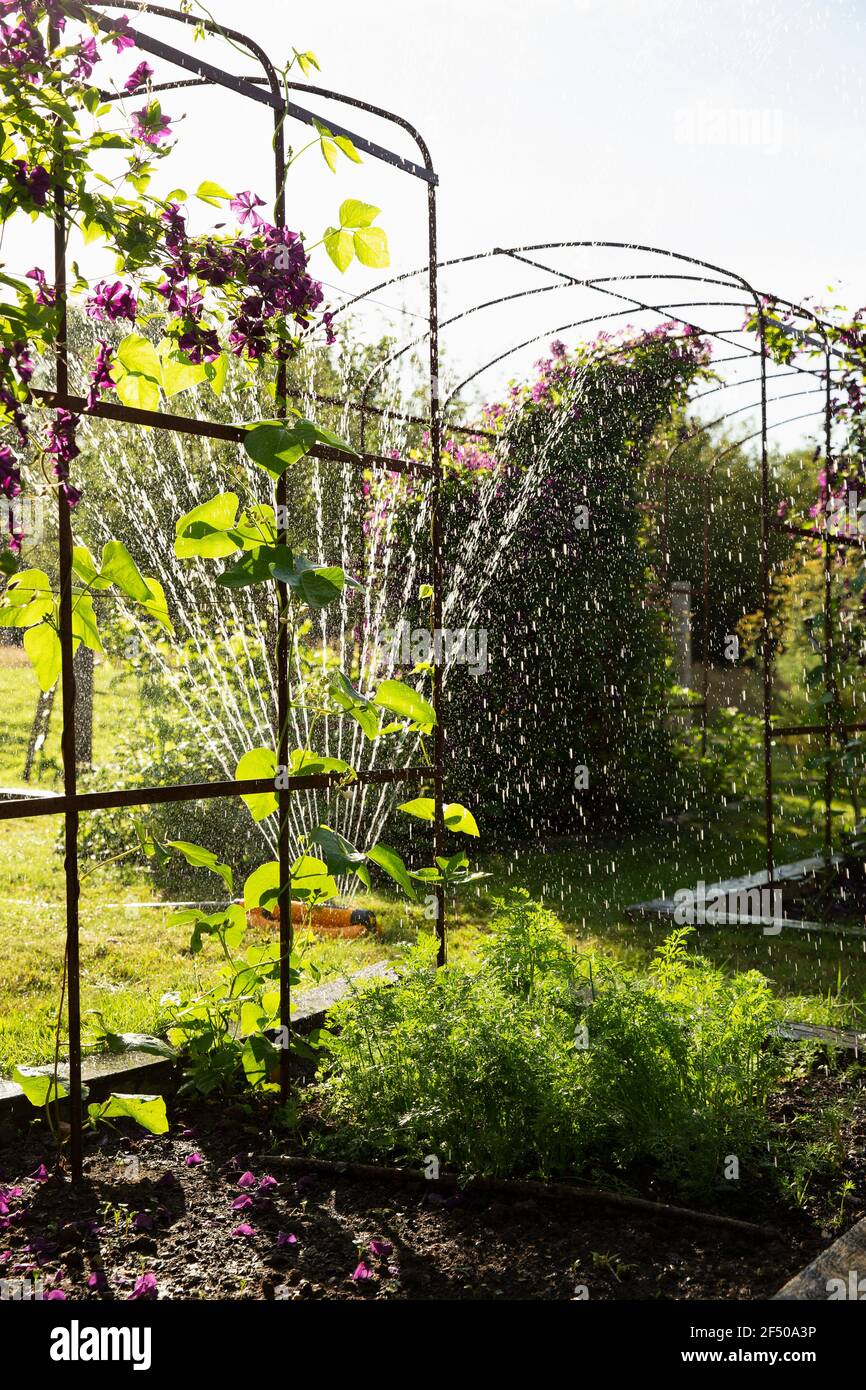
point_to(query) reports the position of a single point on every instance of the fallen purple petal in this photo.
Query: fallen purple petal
(145, 1287)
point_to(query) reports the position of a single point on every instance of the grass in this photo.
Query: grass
(131, 955)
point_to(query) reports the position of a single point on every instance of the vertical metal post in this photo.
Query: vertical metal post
(766, 644)
(705, 669)
(283, 660)
(829, 678)
(70, 780)
(436, 556)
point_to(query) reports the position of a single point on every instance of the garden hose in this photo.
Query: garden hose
(327, 921)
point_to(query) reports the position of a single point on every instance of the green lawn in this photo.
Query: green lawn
(131, 956)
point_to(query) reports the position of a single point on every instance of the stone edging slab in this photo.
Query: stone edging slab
(838, 1273)
(140, 1071)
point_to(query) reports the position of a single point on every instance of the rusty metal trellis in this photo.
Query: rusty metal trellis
(268, 90)
(708, 274)
(265, 90)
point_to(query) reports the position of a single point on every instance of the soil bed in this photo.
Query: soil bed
(144, 1210)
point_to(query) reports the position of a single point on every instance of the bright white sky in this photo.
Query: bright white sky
(727, 129)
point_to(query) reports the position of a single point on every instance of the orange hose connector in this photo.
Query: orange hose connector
(344, 922)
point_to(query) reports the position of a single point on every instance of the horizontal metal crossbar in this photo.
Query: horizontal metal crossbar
(211, 429)
(21, 808)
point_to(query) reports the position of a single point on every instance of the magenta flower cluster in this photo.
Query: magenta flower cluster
(264, 276)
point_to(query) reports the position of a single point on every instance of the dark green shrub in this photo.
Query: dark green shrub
(549, 542)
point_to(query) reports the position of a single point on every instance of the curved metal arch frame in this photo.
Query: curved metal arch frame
(768, 523)
(72, 802)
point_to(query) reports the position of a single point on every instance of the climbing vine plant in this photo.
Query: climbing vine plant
(91, 153)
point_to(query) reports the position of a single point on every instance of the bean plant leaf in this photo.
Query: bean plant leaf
(406, 702)
(84, 626)
(311, 881)
(38, 1086)
(303, 762)
(354, 213)
(118, 567)
(147, 1111)
(177, 372)
(461, 821)
(258, 762)
(341, 857)
(262, 888)
(457, 818)
(345, 144)
(42, 646)
(28, 599)
(256, 567)
(389, 860)
(276, 444)
(358, 706)
(340, 246)
(201, 858)
(156, 605)
(371, 247)
(205, 531)
(137, 372)
(212, 193)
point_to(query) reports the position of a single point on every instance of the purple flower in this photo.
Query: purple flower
(244, 205)
(42, 1174)
(267, 1183)
(44, 291)
(176, 234)
(145, 1287)
(200, 343)
(120, 38)
(150, 125)
(56, 1295)
(143, 1221)
(101, 380)
(361, 1271)
(86, 58)
(241, 1203)
(34, 180)
(192, 1159)
(246, 1180)
(10, 487)
(284, 1239)
(381, 1247)
(97, 1280)
(111, 301)
(137, 78)
(61, 443)
(243, 1230)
